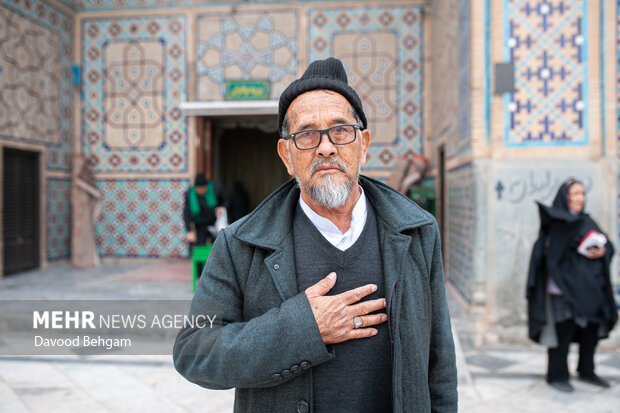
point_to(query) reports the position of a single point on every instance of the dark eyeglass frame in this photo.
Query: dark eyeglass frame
(323, 132)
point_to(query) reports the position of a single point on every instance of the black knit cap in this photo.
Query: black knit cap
(200, 180)
(328, 74)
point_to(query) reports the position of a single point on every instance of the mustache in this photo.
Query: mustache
(327, 162)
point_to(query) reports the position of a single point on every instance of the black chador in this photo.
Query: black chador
(584, 282)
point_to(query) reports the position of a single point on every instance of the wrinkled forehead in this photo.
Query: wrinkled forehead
(319, 106)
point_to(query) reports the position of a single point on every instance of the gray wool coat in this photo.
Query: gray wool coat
(268, 339)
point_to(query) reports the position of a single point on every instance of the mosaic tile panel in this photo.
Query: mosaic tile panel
(141, 218)
(545, 40)
(246, 45)
(58, 220)
(382, 51)
(460, 228)
(134, 77)
(35, 78)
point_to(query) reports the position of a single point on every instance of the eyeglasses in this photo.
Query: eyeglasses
(311, 138)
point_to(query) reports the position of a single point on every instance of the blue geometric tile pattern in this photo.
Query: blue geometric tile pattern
(460, 228)
(26, 24)
(255, 45)
(382, 49)
(58, 220)
(134, 77)
(545, 39)
(141, 218)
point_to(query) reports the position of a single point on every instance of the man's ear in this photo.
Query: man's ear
(283, 152)
(365, 144)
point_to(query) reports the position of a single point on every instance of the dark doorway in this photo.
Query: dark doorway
(442, 197)
(248, 155)
(20, 212)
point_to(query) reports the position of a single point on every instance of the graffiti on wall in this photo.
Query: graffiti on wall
(541, 185)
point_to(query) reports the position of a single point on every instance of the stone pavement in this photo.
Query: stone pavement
(491, 379)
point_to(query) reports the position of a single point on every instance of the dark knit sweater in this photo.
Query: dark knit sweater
(359, 378)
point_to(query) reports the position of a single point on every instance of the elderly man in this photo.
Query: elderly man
(332, 290)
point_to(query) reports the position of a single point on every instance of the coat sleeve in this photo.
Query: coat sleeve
(245, 353)
(442, 374)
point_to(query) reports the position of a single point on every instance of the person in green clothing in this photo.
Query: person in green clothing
(204, 203)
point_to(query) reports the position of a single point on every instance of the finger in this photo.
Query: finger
(323, 286)
(356, 294)
(373, 319)
(362, 333)
(367, 307)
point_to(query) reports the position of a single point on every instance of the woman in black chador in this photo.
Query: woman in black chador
(568, 290)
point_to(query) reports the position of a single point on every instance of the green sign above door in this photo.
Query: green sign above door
(247, 89)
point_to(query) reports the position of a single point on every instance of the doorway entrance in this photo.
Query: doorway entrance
(245, 158)
(20, 212)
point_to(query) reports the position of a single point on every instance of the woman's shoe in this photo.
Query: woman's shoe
(563, 386)
(595, 380)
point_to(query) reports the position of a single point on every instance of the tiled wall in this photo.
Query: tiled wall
(247, 45)
(460, 228)
(58, 222)
(134, 77)
(36, 82)
(547, 44)
(141, 218)
(36, 104)
(382, 51)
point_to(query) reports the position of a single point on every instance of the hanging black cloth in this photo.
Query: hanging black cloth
(584, 282)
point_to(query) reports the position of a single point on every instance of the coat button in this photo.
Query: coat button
(276, 266)
(303, 407)
(305, 365)
(286, 373)
(277, 377)
(295, 369)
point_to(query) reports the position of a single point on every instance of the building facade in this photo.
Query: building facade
(143, 90)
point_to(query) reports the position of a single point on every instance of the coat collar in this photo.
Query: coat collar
(270, 223)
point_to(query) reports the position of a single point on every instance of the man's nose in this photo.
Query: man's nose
(326, 147)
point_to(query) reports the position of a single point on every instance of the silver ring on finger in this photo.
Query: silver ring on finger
(357, 322)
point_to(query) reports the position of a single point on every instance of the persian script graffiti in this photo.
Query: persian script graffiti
(540, 185)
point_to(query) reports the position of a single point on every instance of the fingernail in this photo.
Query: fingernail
(373, 287)
(374, 332)
(384, 317)
(332, 276)
(384, 303)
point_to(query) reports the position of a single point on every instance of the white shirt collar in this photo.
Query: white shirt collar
(331, 232)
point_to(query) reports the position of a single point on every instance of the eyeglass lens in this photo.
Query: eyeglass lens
(339, 135)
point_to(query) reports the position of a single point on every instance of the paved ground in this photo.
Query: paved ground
(508, 379)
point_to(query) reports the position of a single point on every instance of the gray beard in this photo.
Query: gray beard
(331, 194)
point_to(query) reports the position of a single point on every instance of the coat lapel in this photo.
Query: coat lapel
(281, 266)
